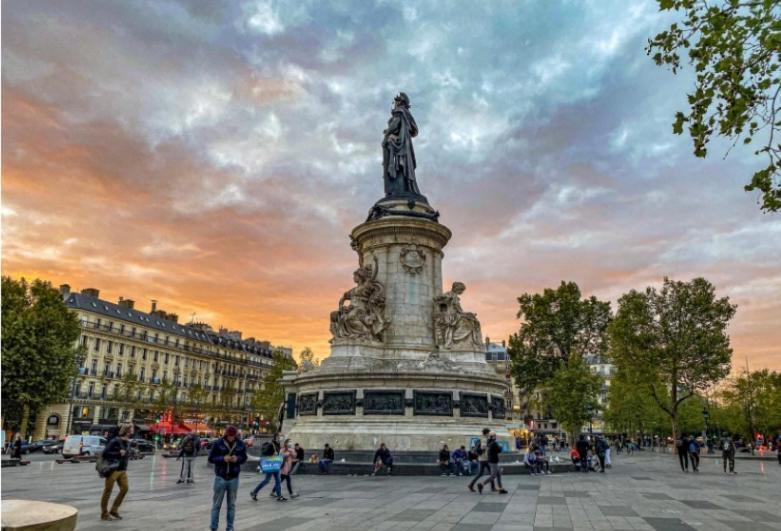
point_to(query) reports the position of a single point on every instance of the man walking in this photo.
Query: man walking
(582, 446)
(728, 454)
(602, 448)
(493, 451)
(682, 447)
(694, 454)
(116, 452)
(481, 449)
(227, 455)
(188, 451)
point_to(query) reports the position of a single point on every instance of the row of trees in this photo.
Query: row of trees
(667, 345)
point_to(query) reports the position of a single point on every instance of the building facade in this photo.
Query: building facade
(133, 364)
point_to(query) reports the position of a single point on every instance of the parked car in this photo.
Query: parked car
(41, 445)
(55, 448)
(83, 445)
(142, 446)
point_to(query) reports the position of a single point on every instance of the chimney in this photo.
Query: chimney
(154, 306)
(65, 290)
(503, 344)
(487, 342)
(126, 303)
(173, 317)
(91, 292)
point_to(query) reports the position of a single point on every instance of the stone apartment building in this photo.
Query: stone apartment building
(121, 344)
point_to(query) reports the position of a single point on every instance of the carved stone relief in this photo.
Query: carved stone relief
(383, 402)
(474, 405)
(307, 404)
(339, 403)
(433, 403)
(412, 259)
(361, 313)
(499, 407)
(453, 326)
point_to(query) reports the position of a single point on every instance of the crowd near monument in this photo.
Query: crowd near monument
(407, 364)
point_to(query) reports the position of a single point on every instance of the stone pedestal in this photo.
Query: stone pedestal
(29, 515)
(405, 388)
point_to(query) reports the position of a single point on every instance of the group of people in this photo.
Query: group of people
(688, 450)
(589, 454)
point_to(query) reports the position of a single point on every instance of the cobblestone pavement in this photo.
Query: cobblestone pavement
(644, 491)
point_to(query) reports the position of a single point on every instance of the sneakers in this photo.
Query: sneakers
(502, 491)
(115, 515)
(105, 517)
(471, 487)
(281, 499)
(294, 496)
(180, 481)
(253, 495)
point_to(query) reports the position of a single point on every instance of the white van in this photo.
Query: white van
(83, 445)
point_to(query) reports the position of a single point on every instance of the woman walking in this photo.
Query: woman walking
(290, 460)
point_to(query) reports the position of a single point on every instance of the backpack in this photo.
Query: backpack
(267, 449)
(189, 445)
(693, 447)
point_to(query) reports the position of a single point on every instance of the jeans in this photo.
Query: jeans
(584, 464)
(695, 459)
(325, 466)
(683, 458)
(277, 483)
(483, 469)
(461, 467)
(286, 479)
(496, 475)
(120, 478)
(221, 486)
(187, 469)
(728, 457)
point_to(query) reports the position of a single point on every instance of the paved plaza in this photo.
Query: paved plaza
(644, 491)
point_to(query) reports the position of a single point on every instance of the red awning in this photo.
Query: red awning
(169, 428)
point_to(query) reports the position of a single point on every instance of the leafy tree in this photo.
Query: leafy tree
(39, 348)
(751, 403)
(674, 339)
(268, 399)
(573, 394)
(630, 407)
(734, 48)
(558, 324)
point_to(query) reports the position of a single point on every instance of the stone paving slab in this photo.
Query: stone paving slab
(641, 492)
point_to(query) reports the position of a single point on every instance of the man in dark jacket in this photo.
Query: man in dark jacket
(582, 447)
(601, 446)
(188, 451)
(328, 457)
(116, 451)
(728, 454)
(382, 457)
(682, 447)
(481, 449)
(494, 449)
(444, 461)
(227, 454)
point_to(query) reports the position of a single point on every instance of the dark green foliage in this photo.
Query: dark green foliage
(558, 324)
(39, 335)
(733, 46)
(573, 394)
(672, 341)
(268, 399)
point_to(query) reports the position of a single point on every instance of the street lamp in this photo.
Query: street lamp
(706, 416)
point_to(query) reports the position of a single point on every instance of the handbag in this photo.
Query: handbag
(270, 465)
(105, 467)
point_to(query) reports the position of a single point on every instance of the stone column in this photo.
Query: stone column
(408, 254)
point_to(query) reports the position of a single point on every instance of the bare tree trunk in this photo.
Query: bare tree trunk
(25, 420)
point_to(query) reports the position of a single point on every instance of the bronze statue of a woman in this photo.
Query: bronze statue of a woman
(398, 155)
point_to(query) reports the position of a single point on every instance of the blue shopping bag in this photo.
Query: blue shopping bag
(271, 464)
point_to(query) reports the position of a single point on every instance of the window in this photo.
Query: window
(108, 347)
(110, 326)
(157, 337)
(97, 323)
(119, 370)
(97, 344)
(125, 415)
(166, 340)
(84, 341)
(104, 392)
(156, 353)
(77, 389)
(122, 328)
(133, 352)
(141, 374)
(94, 367)
(91, 389)
(121, 349)
(166, 358)
(133, 332)
(143, 357)
(176, 361)
(154, 374)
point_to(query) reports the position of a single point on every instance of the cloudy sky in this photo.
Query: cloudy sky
(214, 156)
